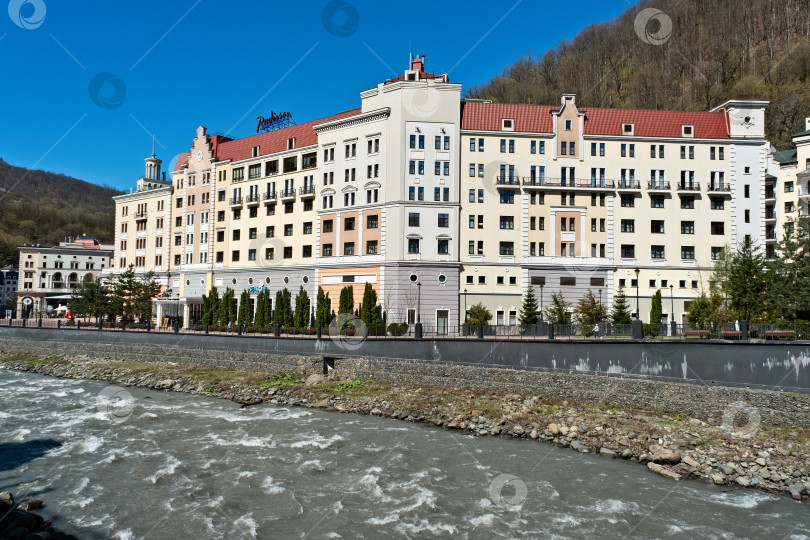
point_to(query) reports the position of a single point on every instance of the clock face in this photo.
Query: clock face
(199, 155)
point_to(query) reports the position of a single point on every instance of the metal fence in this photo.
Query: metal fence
(783, 330)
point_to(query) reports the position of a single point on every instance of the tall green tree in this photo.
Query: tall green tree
(124, 289)
(346, 304)
(789, 273)
(268, 309)
(245, 316)
(211, 307)
(589, 311)
(370, 311)
(322, 315)
(741, 277)
(227, 310)
(656, 309)
(284, 313)
(559, 312)
(259, 321)
(529, 311)
(700, 312)
(90, 298)
(302, 304)
(146, 290)
(621, 309)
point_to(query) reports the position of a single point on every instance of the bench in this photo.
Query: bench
(732, 334)
(780, 334)
(696, 333)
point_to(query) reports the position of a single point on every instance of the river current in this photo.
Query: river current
(132, 463)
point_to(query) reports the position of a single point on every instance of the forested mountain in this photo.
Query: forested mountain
(716, 50)
(40, 207)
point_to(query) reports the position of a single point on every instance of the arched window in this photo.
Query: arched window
(57, 281)
(73, 280)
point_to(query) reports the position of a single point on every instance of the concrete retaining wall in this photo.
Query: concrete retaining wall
(769, 366)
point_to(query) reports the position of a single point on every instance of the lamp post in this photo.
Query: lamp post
(465, 305)
(672, 323)
(418, 302)
(541, 301)
(638, 309)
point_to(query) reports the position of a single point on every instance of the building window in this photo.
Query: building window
(444, 220)
(507, 248)
(657, 252)
(628, 225)
(628, 251)
(657, 226)
(687, 252)
(628, 201)
(688, 202)
(716, 253)
(718, 227)
(348, 248)
(348, 224)
(443, 246)
(687, 227)
(413, 219)
(717, 203)
(656, 201)
(413, 245)
(507, 222)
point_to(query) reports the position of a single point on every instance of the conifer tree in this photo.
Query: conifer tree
(529, 312)
(621, 309)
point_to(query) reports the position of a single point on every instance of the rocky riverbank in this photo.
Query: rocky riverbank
(18, 521)
(735, 450)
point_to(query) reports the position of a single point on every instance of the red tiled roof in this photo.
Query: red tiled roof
(537, 119)
(487, 117)
(268, 142)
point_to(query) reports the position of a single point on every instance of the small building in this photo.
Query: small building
(8, 287)
(49, 274)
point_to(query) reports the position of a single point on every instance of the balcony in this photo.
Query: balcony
(688, 187)
(770, 195)
(804, 194)
(719, 188)
(658, 187)
(770, 237)
(508, 182)
(287, 194)
(269, 197)
(252, 199)
(141, 214)
(543, 182)
(628, 185)
(236, 201)
(307, 192)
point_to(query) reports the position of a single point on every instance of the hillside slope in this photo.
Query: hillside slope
(716, 50)
(43, 207)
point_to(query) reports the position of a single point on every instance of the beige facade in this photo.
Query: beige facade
(48, 275)
(440, 203)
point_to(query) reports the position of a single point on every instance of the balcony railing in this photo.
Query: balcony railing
(718, 187)
(770, 235)
(286, 193)
(628, 184)
(252, 198)
(659, 186)
(543, 181)
(269, 196)
(236, 201)
(140, 214)
(770, 215)
(770, 194)
(688, 186)
(307, 190)
(507, 181)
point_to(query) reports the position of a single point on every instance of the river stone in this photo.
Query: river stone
(165, 383)
(719, 479)
(314, 379)
(663, 471)
(30, 504)
(534, 435)
(761, 461)
(664, 455)
(607, 452)
(627, 453)
(726, 469)
(691, 462)
(553, 429)
(564, 430)
(744, 481)
(578, 446)
(797, 490)
(6, 498)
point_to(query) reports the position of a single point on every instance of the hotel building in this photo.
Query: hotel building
(48, 275)
(441, 203)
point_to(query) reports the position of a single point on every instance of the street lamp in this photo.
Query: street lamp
(672, 322)
(465, 305)
(638, 309)
(418, 302)
(541, 301)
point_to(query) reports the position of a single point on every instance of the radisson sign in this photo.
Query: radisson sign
(274, 121)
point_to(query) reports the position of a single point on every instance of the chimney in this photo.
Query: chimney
(417, 63)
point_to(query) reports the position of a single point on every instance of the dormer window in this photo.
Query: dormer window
(568, 125)
(255, 151)
(507, 124)
(412, 75)
(627, 129)
(687, 131)
(290, 143)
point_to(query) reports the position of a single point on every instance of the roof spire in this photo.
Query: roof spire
(153, 146)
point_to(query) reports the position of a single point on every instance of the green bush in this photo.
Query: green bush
(398, 329)
(652, 330)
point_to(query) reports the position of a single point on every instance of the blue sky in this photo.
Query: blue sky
(86, 83)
